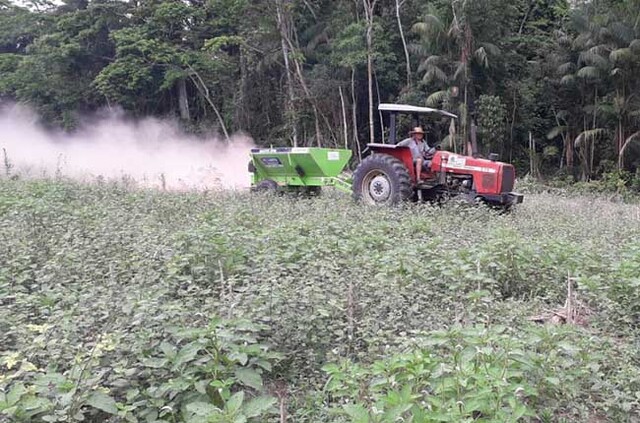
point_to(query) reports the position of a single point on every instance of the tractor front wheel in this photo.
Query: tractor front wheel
(381, 179)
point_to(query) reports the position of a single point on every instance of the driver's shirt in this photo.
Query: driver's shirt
(417, 150)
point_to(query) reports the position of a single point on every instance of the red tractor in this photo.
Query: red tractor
(388, 176)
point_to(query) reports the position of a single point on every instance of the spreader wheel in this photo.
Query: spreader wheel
(267, 185)
(313, 191)
(381, 179)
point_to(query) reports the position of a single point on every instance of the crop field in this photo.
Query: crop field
(120, 304)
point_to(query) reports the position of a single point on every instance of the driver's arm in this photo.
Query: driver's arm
(428, 150)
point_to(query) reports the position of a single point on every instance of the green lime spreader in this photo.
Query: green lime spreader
(298, 169)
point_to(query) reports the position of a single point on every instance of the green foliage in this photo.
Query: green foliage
(135, 71)
(621, 287)
(61, 61)
(492, 120)
(192, 374)
(349, 47)
(111, 333)
(518, 67)
(472, 374)
(19, 27)
(138, 305)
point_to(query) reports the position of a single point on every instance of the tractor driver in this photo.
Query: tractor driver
(420, 151)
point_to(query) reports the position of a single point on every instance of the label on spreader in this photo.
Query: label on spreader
(333, 155)
(271, 161)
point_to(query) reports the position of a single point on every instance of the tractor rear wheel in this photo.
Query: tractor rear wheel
(381, 179)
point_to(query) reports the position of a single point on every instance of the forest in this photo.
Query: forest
(549, 85)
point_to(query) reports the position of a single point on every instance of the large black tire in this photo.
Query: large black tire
(267, 185)
(381, 179)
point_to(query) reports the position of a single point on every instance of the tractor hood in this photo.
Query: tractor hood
(489, 177)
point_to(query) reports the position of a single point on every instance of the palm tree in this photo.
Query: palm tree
(634, 137)
(626, 104)
(448, 53)
(563, 129)
(610, 59)
(591, 62)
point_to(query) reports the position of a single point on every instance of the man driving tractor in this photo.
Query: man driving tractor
(420, 151)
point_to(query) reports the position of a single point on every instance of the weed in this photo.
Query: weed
(8, 166)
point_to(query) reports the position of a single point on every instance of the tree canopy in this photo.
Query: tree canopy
(550, 85)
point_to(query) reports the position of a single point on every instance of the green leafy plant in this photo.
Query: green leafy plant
(470, 374)
(124, 304)
(204, 376)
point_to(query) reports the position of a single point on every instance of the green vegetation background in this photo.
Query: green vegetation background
(550, 84)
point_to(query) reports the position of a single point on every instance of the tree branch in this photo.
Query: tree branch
(202, 88)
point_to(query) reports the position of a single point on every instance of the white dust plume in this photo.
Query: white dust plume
(152, 152)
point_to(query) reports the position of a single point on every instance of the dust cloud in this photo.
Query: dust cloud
(151, 152)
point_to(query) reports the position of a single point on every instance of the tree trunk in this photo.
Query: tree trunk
(474, 139)
(316, 114)
(183, 101)
(513, 122)
(533, 165)
(619, 141)
(568, 151)
(526, 16)
(464, 58)
(369, 6)
(404, 41)
(593, 140)
(370, 86)
(204, 91)
(379, 112)
(354, 114)
(307, 92)
(344, 120)
(289, 103)
(624, 147)
(241, 111)
(465, 121)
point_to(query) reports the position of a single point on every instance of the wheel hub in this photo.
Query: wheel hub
(379, 188)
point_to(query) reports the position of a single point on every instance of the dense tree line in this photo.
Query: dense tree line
(550, 85)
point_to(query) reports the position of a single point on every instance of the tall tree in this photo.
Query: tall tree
(399, 4)
(369, 10)
(290, 103)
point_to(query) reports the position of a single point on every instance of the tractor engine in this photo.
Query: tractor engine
(489, 179)
(458, 183)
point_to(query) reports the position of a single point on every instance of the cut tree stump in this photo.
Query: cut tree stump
(573, 312)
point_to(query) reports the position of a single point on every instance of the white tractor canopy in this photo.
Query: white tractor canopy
(395, 109)
(406, 108)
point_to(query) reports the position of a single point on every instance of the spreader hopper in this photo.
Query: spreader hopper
(298, 168)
